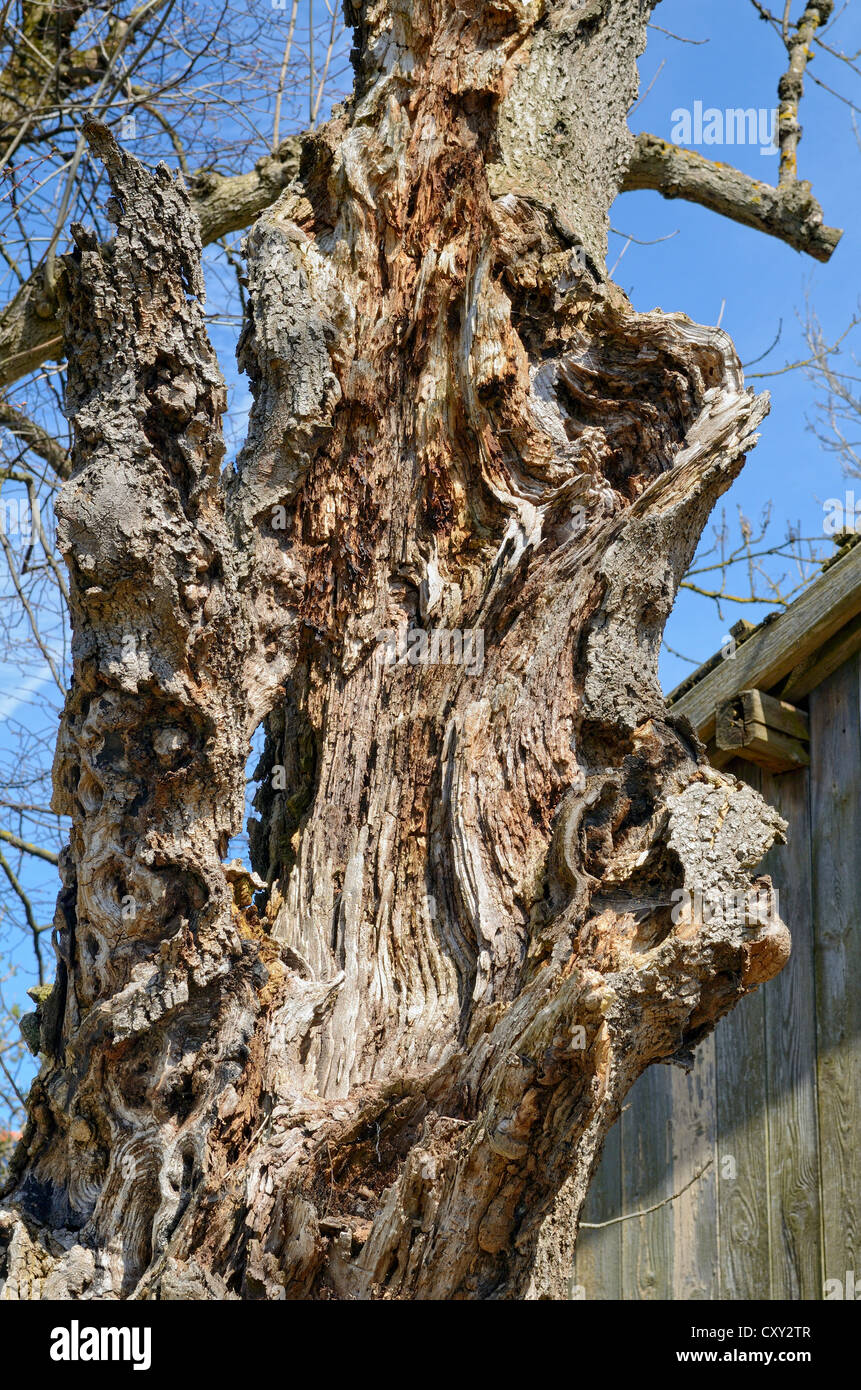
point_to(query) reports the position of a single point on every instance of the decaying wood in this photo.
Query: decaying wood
(391, 1073)
(30, 331)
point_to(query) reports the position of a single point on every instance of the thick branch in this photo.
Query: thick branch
(790, 213)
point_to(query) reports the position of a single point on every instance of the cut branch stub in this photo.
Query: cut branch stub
(789, 212)
(484, 860)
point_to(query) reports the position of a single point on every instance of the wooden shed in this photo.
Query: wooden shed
(757, 1149)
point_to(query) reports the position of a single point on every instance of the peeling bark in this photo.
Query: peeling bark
(391, 1073)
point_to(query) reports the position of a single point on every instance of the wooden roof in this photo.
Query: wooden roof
(788, 655)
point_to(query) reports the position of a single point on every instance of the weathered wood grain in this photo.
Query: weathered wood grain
(790, 1036)
(822, 663)
(835, 738)
(774, 651)
(743, 1180)
(598, 1261)
(647, 1178)
(693, 1214)
(762, 730)
(784, 1226)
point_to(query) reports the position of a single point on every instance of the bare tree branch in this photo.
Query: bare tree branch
(35, 438)
(35, 929)
(790, 89)
(28, 848)
(790, 212)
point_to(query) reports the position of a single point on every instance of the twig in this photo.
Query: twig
(653, 241)
(753, 361)
(632, 1216)
(29, 848)
(671, 35)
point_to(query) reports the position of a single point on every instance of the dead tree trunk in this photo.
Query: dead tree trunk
(393, 1077)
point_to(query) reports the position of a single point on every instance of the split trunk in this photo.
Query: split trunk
(389, 1073)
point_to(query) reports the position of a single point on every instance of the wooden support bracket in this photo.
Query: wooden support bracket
(769, 732)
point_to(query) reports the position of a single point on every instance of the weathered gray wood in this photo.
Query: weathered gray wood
(647, 1178)
(786, 718)
(752, 1098)
(790, 1036)
(771, 733)
(693, 1214)
(770, 654)
(598, 1260)
(822, 663)
(755, 707)
(668, 1133)
(759, 1106)
(743, 1197)
(835, 734)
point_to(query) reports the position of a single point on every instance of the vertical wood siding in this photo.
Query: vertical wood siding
(774, 1099)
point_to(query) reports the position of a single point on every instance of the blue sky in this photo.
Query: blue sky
(710, 263)
(762, 281)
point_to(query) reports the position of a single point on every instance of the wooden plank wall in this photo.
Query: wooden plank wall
(835, 809)
(774, 1098)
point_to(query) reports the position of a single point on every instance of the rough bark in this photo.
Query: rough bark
(30, 330)
(789, 212)
(30, 327)
(791, 86)
(390, 1075)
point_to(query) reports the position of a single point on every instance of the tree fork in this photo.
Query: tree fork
(391, 1076)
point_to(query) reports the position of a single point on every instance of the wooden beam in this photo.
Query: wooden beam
(771, 733)
(778, 715)
(775, 650)
(817, 667)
